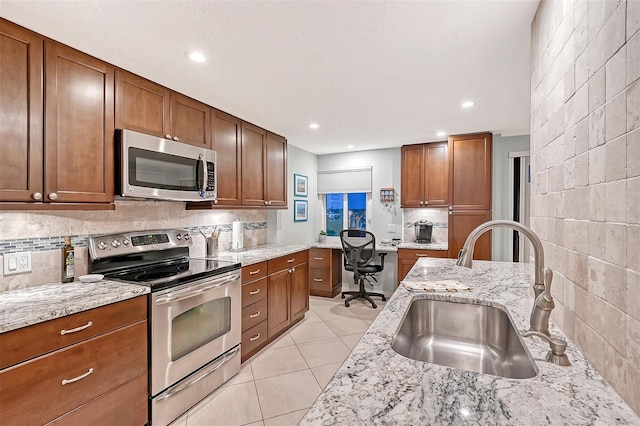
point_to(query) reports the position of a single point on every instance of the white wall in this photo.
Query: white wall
(502, 146)
(281, 228)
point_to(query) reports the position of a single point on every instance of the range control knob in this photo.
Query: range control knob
(178, 237)
(115, 243)
(125, 242)
(187, 237)
(102, 245)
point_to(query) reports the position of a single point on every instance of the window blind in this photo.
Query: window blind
(344, 180)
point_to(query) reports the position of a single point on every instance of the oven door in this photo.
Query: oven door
(157, 168)
(191, 325)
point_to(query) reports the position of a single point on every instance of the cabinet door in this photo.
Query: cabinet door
(470, 172)
(404, 266)
(21, 117)
(461, 223)
(276, 173)
(279, 309)
(226, 131)
(412, 176)
(299, 291)
(436, 174)
(79, 126)
(190, 121)
(142, 105)
(253, 165)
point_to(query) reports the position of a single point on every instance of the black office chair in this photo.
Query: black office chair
(359, 249)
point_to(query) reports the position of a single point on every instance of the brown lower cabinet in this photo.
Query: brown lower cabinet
(408, 257)
(275, 295)
(461, 223)
(325, 272)
(101, 376)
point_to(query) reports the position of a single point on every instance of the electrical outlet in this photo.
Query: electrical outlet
(391, 228)
(17, 263)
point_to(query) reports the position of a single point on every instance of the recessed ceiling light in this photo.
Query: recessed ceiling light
(350, 146)
(314, 126)
(197, 57)
(441, 134)
(468, 104)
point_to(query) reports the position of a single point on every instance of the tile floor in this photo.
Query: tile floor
(279, 384)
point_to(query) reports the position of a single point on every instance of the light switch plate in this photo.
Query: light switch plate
(17, 263)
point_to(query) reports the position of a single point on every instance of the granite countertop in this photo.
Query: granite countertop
(375, 385)
(419, 246)
(385, 247)
(28, 306)
(259, 253)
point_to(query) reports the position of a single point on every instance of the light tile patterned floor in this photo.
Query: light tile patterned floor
(279, 384)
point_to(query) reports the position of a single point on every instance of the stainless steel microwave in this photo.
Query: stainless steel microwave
(161, 169)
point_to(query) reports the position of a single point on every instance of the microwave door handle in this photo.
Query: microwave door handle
(201, 174)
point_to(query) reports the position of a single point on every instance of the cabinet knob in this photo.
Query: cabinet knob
(37, 196)
(215, 201)
(167, 136)
(450, 212)
(426, 202)
(266, 203)
(53, 196)
(175, 138)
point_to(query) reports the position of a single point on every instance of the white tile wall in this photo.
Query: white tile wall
(586, 177)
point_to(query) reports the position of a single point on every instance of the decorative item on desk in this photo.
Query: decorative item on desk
(300, 210)
(300, 185)
(323, 236)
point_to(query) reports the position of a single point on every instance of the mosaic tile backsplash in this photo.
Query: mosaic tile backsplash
(42, 233)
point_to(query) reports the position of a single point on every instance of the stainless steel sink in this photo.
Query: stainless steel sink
(463, 335)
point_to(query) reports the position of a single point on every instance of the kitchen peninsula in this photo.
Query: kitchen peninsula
(376, 385)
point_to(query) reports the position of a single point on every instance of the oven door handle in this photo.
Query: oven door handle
(179, 388)
(173, 297)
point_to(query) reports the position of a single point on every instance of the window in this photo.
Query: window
(344, 211)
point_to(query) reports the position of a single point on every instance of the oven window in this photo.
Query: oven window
(200, 325)
(161, 170)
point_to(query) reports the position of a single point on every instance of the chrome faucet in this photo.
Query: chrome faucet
(543, 304)
(542, 279)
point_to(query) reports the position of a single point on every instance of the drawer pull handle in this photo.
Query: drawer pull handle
(254, 272)
(257, 314)
(291, 260)
(254, 292)
(318, 279)
(318, 258)
(75, 379)
(422, 255)
(254, 338)
(75, 330)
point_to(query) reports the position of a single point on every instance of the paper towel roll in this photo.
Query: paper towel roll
(237, 235)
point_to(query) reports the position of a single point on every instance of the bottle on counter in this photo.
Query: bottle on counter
(68, 261)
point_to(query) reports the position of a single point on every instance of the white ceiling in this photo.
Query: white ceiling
(373, 74)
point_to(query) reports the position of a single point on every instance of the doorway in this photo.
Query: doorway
(519, 197)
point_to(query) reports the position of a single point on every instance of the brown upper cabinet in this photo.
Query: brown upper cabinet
(470, 172)
(425, 175)
(264, 167)
(147, 107)
(72, 160)
(226, 131)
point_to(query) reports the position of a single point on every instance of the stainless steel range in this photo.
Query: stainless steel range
(194, 314)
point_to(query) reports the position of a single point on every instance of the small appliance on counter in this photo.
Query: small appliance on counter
(423, 229)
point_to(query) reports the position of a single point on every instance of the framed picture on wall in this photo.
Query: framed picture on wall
(300, 185)
(300, 210)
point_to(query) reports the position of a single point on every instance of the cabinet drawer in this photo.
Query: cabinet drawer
(319, 280)
(284, 262)
(254, 272)
(254, 291)
(254, 337)
(320, 258)
(33, 392)
(125, 405)
(28, 342)
(253, 314)
(413, 254)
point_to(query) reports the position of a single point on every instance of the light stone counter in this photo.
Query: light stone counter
(336, 245)
(418, 246)
(20, 308)
(375, 385)
(260, 253)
